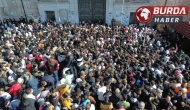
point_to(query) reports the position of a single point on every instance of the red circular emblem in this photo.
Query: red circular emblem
(143, 15)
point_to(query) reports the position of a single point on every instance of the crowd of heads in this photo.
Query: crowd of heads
(90, 67)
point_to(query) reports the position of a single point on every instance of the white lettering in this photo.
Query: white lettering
(167, 20)
(162, 20)
(182, 11)
(169, 11)
(176, 11)
(156, 10)
(162, 11)
(172, 20)
(176, 20)
(156, 20)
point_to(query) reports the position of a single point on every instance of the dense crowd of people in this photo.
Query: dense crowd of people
(49, 66)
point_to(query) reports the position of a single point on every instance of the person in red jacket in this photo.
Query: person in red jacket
(124, 30)
(15, 88)
(39, 58)
(29, 67)
(52, 66)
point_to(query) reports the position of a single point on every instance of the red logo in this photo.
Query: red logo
(145, 14)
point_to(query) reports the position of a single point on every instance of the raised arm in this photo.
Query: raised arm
(176, 48)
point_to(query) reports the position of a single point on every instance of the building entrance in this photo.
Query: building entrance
(93, 10)
(132, 19)
(50, 15)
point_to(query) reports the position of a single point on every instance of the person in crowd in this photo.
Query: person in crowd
(63, 89)
(124, 103)
(166, 103)
(5, 95)
(49, 79)
(52, 66)
(54, 100)
(29, 99)
(15, 88)
(101, 92)
(70, 63)
(89, 66)
(106, 104)
(32, 82)
(66, 100)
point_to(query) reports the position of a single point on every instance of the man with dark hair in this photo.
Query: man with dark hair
(52, 66)
(166, 103)
(106, 104)
(29, 100)
(49, 79)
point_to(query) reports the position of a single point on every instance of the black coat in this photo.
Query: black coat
(69, 61)
(30, 104)
(3, 82)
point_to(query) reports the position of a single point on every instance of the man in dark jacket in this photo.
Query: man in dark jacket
(69, 63)
(183, 103)
(166, 103)
(50, 81)
(32, 82)
(29, 100)
(3, 82)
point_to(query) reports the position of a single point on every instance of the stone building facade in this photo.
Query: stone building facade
(76, 11)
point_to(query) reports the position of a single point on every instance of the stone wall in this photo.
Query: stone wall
(13, 8)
